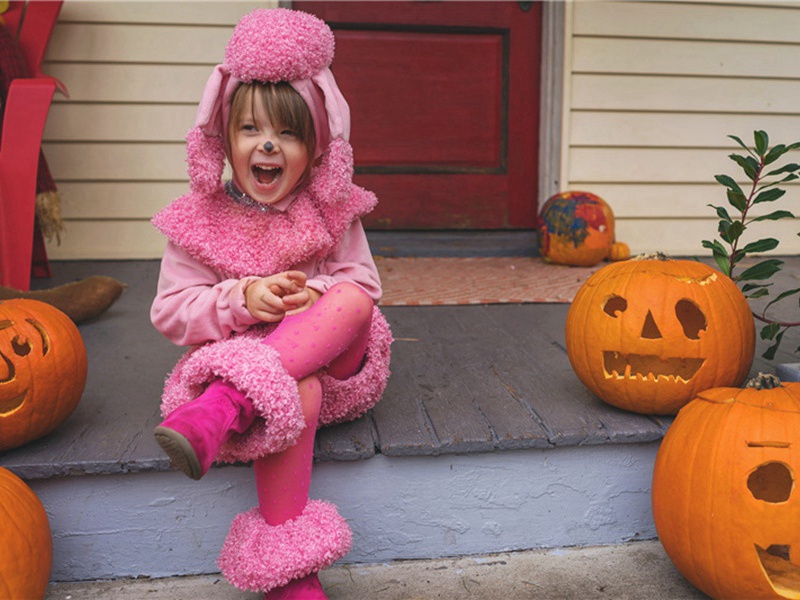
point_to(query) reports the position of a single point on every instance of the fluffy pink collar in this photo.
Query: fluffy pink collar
(241, 240)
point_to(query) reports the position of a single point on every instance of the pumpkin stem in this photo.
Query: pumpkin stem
(651, 256)
(764, 381)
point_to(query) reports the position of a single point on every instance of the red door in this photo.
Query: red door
(445, 108)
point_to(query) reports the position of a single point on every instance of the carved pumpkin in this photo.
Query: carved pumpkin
(648, 335)
(42, 370)
(725, 500)
(577, 228)
(26, 549)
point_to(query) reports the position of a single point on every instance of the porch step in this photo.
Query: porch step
(484, 442)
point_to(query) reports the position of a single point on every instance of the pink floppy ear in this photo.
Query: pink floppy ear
(205, 142)
(335, 105)
(205, 156)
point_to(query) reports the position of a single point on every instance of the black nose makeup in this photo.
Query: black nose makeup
(269, 146)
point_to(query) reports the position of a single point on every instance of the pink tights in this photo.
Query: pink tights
(333, 332)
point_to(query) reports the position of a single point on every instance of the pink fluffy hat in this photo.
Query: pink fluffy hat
(268, 45)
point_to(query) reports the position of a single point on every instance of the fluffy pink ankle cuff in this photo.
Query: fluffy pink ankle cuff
(259, 557)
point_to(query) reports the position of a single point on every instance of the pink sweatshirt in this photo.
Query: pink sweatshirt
(196, 304)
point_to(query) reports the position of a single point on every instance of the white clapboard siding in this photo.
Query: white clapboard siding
(653, 89)
(669, 129)
(114, 200)
(745, 21)
(79, 121)
(683, 237)
(135, 72)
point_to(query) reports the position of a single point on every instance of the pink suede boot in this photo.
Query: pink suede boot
(193, 433)
(305, 588)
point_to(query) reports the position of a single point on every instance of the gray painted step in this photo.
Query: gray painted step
(464, 379)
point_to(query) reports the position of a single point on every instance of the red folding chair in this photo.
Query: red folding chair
(22, 250)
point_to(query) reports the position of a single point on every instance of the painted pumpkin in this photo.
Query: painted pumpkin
(577, 229)
(43, 370)
(725, 500)
(647, 335)
(26, 549)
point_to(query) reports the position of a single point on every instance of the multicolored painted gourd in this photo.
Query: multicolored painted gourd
(577, 229)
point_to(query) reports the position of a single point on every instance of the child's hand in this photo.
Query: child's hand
(270, 298)
(301, 301)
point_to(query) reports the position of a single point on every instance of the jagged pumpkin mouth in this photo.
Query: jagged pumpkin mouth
(783, 575)
(11, 405)
(8, 406)
(649, 367)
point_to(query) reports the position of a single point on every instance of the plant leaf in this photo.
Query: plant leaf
(769, 195)
(762, 270)
(764, 245)
(723, 262)
(715, 246)
(741, 143)
(730, 232)
(737, 200)
(751, 286)
(748, 164)
(762, 142)
(775, 153)
(759, 293)
(790, 177)
(729, 183)
(769, 353)
(722, 212)
(769, 331)
(774, 216)
(789, 168)
(781, 296)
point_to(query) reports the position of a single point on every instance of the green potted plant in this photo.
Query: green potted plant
(764, 177)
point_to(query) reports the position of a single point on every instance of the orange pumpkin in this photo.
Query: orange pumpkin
(43, 370)
(647, 335)
(725, 500)
(26, 547)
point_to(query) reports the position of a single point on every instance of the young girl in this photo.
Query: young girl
(270, 279)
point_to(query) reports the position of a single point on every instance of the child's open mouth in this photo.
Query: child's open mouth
(266, 175)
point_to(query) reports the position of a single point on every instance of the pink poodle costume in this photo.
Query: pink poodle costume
(231, 243)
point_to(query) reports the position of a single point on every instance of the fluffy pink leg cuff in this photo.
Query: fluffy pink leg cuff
(259, 557)
(256, 370)
(348, 399)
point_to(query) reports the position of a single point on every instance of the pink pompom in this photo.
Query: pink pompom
(279, 45)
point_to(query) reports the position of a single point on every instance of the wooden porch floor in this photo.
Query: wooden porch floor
(464, 379)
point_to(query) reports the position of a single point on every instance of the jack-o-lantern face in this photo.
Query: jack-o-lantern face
(648, 335)
(43, 370)
(771, 487)
(15, 383)
(725, 497)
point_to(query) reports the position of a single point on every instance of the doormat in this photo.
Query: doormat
(479, 280)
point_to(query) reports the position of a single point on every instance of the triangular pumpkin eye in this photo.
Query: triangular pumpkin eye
(691, 318)
(650, 330)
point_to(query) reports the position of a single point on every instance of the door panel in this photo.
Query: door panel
(444, 102)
